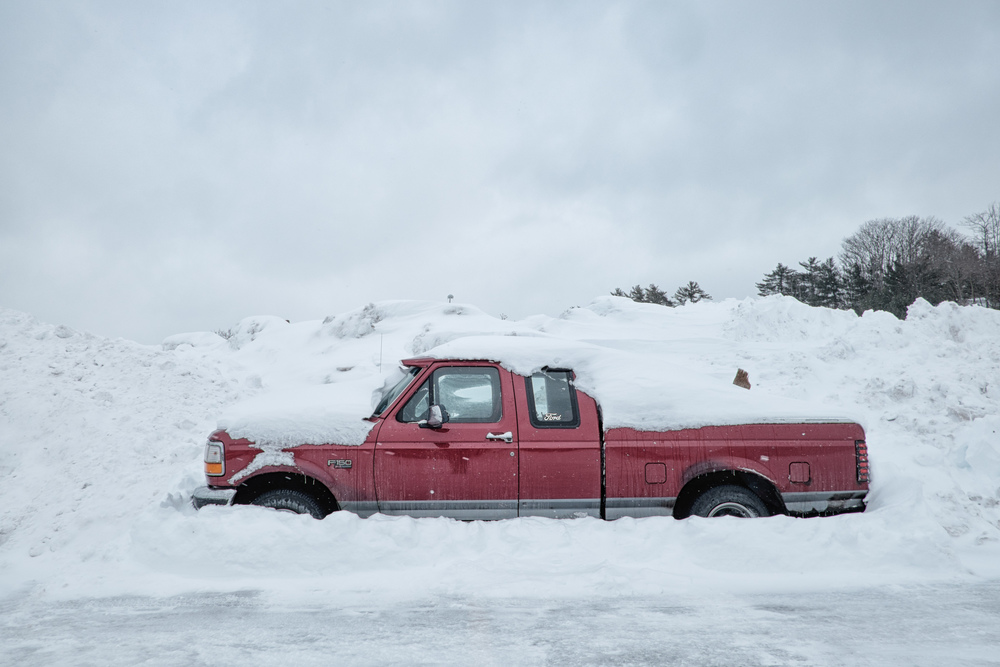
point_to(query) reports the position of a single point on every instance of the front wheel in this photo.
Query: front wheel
(290, 500)
(729, 501)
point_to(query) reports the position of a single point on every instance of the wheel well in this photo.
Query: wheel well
(249, 490)
(760, 486)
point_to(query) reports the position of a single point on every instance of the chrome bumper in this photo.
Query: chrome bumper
(206, 495)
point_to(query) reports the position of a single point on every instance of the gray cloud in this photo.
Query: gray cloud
(176, 166)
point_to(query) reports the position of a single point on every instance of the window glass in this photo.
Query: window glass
(390, 395)
(417, 407)
(552, 399)
(469, 394)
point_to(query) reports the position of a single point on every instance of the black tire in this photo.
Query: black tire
(729, 501)
(290, 500)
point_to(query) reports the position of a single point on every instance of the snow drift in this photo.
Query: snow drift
(101, 443)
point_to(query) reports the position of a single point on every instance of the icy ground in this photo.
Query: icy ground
(917, 626)
(102, 561)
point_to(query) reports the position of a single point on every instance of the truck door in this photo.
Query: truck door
(560, 447)
(467, 468)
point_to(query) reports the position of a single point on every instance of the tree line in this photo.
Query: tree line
(890, 262)
(692, 292)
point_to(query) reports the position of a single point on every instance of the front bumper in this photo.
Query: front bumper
(206, 495)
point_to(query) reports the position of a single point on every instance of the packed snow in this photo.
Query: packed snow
(101, 444)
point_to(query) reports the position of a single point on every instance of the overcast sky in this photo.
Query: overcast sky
(177, 166)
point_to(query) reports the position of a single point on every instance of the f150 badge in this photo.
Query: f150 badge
(339, 463)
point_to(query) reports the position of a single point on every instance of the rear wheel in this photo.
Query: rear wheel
(290, 500)
(729, 501)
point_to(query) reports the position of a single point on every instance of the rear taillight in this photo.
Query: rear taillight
(215, 462)
(861, 457)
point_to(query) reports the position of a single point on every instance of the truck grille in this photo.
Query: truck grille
(861, 457)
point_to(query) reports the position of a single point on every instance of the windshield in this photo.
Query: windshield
(389, 395)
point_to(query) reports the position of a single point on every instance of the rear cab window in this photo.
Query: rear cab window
(552, 399)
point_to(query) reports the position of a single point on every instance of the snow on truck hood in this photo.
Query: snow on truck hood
(316, 415)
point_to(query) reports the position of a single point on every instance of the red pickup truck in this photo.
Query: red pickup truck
(472, 440)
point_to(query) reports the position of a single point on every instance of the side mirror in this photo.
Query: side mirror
(436, 417)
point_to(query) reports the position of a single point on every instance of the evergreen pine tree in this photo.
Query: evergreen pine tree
(858, 290)
(652, 294)
(828, 285)
(808, 281)
(655, 295)
(905, 281)
(825, 284)
(898, 292)
(779, 281)
(691, 292)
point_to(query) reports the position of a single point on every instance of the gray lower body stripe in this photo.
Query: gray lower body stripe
(455, 509)
(363, 508)
(562, 508)
(616, 508)
(568, 508)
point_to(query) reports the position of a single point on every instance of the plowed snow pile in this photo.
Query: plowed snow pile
(101, 444)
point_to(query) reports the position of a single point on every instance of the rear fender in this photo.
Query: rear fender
(724, 464)
(706, 475)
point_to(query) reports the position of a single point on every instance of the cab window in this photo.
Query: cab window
(390, 395)
(552, 399)
(470, 395)
(416, 408)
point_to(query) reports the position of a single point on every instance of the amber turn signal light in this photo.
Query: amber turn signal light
(214, 459)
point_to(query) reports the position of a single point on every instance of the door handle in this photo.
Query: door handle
(505, 437)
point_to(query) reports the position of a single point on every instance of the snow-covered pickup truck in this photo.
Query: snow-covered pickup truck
(473, 440)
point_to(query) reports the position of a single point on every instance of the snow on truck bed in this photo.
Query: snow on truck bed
(101, 443)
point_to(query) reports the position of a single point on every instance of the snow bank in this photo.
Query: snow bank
(101, 443)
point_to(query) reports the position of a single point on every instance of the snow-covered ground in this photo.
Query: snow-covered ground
(101, 443)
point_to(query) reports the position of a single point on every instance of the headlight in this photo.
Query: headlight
(215, 461)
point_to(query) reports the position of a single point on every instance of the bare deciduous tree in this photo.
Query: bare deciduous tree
(879, 243)
(985, 228)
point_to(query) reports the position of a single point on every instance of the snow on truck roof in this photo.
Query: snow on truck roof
(639, 390)
(644, 376)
